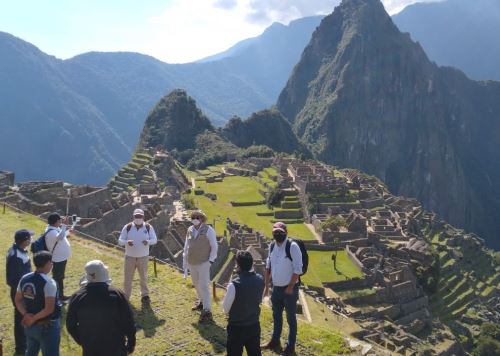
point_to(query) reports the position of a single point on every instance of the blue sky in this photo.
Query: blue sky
(174, 31)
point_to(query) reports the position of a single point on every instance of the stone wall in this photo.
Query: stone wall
(113, 220)
(222, 253)
(83, 204)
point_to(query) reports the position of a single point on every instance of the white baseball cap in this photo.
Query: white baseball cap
(138, 212)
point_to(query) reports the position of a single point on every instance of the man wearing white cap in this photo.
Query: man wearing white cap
(99, 316)
(137, 236)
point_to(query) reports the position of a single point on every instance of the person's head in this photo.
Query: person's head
(96, 272)
(54, 219)
(244, 261)
(43, 261)
(198, 217)
(279, 232)
(138, 216)
(22, 238)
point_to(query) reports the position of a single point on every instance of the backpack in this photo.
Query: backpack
(129, 226)
(40, 244)
(303, 251)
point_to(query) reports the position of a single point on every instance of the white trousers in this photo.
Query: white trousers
(200, 275)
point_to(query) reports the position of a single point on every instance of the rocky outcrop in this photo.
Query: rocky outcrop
(365, 96)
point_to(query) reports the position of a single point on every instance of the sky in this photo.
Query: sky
(174, 31)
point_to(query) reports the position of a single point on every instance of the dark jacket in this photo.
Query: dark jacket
(18, 264)
(245, 310)
(100, 319)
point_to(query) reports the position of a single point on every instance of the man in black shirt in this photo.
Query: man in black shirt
(18, 264)
(99, 316)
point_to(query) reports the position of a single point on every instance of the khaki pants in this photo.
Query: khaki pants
(200, 275)
(131, 263)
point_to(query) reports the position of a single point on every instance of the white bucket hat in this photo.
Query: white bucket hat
(96, 272)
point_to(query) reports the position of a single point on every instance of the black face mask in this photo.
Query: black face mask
(279, 237)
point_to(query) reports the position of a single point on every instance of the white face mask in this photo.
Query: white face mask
(195, 222)
(138, 221)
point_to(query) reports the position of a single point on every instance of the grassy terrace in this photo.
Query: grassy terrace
(458, 287)
(238, 189)
(168, 327)
(321, 268)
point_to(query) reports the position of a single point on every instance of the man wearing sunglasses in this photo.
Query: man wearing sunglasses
(283, 268)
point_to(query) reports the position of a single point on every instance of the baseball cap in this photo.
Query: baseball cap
(279, 226)
(22, 235)
(138, 212)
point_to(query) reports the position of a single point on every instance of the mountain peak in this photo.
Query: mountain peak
(174, 123)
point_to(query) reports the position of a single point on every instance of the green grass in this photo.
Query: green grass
(321, 268)
(241, 189)
(168, 327)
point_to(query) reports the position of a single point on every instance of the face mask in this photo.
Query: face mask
(138, 221)
(279, 238)
(195, 222)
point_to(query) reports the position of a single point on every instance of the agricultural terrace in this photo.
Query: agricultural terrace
(167, 326)
(321, 268)
(241, 190)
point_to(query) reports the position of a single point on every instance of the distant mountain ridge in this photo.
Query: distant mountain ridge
(460, 33)
(365, 96)
(89, 110)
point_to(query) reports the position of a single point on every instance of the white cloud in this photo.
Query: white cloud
(191, 29)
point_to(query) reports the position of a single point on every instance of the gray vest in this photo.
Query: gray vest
(245, 310)
(199, 247)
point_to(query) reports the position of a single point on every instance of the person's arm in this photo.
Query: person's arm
(152, 236)
(267, 275)
(72, 320)
(185, 254)
(127, 323)
(296, 265)
(14, 270)
(62, 233)
(228, 300)
(213, 244)
(122, 240)
(51, 237)
(19, 301)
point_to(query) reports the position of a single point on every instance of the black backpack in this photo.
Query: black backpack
(303, 251)
(40, 244)
(129, 226)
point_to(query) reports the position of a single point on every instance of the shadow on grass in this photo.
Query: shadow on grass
(214, 334)
(147, 320)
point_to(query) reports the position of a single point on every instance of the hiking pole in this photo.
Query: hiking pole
(154, 266)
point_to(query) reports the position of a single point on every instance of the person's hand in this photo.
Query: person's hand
(289, 290)
(145, 242)
(65, 220)
(130, 242)
(28, 320)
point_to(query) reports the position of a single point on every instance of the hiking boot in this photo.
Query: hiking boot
(206, 316)
(146, 299)
(273, 345)
(197, 306)
(289, 351)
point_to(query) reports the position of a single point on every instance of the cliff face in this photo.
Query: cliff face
(266, 127)
(365, 96)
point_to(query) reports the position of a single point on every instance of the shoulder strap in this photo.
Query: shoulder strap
(129, 226)
(287, 249)
(148, 227)
(271, 247)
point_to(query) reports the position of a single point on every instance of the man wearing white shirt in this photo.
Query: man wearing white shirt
(200, 251)
(137, 236)
(56, 239)
(242, 303)
(283, 267)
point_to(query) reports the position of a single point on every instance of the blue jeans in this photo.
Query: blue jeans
(44, 337)
(280, 300)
